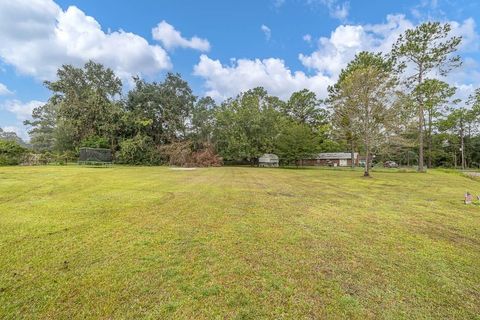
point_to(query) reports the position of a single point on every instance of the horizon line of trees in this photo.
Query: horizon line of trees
(393, 105)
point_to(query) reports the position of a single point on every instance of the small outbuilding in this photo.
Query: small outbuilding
(332, 159)
(268, 160)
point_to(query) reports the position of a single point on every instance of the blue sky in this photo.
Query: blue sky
(220, 47)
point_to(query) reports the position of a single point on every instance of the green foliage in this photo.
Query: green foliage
(12, 136)
(43, 127)
(361, 61)
(247, 126)
(436, 96)
(87, 109)
(160, 110)
(83, 102)
(345, 126)
(426, 48)
(296, 141)
(365, 98)
(139, 150)
(46, 158)
(67, 156)
(11, 152)
(203, 120)
(363, 102)
(95, 142)
(304, 107)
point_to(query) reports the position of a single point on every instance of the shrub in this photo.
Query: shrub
(177, 153)
(46, 158)
(11, 153)
(62, 158)
(68, 156)
(31, 159)
(182, 154)
(138, 150)
(207, 157)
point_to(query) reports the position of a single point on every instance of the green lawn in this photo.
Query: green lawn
(236, 243)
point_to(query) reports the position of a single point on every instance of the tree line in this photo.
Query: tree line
(393, 105)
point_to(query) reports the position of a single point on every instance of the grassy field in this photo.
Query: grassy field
(236, 243)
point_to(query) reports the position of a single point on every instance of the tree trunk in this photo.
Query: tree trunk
(352, 154)
(462, 146)
(468, 138)
(420, 125)
(367, 162)
(367, 139)
(429, 161)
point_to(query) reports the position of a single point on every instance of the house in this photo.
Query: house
(268, 160)
(332, 159)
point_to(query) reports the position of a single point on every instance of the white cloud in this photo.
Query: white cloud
(226, 81)
(266, 31)
(340, 11)
(470, 38)
(307, 38)
(332, 54)
(19, 131)
(345, 41)
(4, 90)
(38, 36)
(336, 9)
(429, 10)
(466, 78)
(22, 110)
(171, 38)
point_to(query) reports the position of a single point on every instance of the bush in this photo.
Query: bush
(68, 156)
(182, 154)
(31, 159)
(207, 157)
(142, 151)
(65, 157)
(46, 158)
(177, 153)
(11, 153)
(139, 150)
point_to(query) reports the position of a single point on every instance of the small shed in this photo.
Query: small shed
(95, 156)
(268, 160)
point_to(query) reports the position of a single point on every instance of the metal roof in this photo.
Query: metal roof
(268, 157)
(335, 155)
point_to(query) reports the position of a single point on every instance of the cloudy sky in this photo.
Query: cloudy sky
(220, 47)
